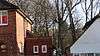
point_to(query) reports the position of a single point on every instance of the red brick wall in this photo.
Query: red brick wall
(11, 45)
(8, 35)
(30, 42)
(10, 28)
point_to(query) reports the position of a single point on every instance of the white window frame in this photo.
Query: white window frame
(44, 46)
(37, 49)
(1, 17)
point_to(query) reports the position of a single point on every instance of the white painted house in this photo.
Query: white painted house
(89, 43)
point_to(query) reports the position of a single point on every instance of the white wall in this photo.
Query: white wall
(89, 42)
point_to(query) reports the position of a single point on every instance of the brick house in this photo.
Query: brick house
(38, 46)
(13, 26)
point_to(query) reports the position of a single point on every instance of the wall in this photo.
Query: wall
(30, 42)
(13, 33)
(11, 27)
(20, 30)
(27, 25)
(8, 35)
(21, 26)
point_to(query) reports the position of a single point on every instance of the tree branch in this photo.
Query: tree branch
(76, 4)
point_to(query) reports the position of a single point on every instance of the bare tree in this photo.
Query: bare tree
(41, 12)
(64, 8)
(47, 17)
(90, 9)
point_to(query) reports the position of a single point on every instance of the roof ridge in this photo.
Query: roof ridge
(87, 24)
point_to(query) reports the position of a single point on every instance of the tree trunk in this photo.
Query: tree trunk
(72, 25)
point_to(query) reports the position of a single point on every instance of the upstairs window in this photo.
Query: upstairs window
(4, 17)
(44, 48)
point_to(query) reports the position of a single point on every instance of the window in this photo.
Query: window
(87, 54)
(90, 54)
(83, 54)
(3, 46)
(44, 48)
(97, 54)
(75, 54)
(35, 49)
(3, 17)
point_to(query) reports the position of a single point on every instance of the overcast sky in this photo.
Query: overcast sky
(80, 12)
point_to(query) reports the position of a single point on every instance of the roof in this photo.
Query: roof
(89, 41)
(6, 5)
(87, 25)
(25, 16)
